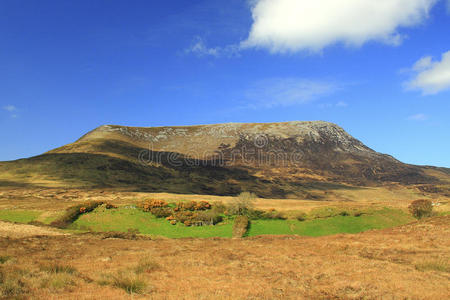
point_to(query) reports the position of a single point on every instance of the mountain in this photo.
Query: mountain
(272, 159)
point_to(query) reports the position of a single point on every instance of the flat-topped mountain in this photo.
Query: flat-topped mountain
(271, 159)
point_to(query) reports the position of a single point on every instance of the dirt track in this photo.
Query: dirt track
(13, 230)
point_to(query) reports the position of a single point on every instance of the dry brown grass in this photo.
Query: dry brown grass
(55, 200)
(400, 263)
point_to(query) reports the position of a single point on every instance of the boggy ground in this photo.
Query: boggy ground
(407, 262)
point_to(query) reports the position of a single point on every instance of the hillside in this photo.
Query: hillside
(272, 159)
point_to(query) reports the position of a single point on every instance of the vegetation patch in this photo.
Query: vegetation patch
(240, 226)
(128, 218)
(421, 208)
(439, 265)
(380, 219)
(132, 280)
(73, 213)
(19, 216)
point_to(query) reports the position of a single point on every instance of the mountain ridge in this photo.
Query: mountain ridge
(271, 159)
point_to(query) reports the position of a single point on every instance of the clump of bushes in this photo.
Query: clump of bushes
(190, 213)
(240, 226)
(158, 208)
(148, 205)
(192, 206)
(421, 208)
(300, 216)
(73, 213)
(242, 204)
(271, 214)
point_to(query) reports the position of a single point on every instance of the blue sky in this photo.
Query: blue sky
(380, 69)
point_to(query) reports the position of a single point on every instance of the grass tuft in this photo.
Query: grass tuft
(439, 265)
(130, 282)
(146, 265)
(4, 259)
(58, 269)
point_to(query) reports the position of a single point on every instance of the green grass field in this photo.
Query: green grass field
(19, 216)
(123, 219)
(380, 219)
(126, 218)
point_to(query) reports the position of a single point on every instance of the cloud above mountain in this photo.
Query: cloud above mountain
(431, 76)
(275, 92)
(287, 26)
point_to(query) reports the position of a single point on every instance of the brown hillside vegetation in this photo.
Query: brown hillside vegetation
(408, 262)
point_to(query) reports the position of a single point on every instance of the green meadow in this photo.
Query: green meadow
(128, 218)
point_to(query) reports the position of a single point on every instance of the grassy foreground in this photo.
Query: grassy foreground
(405, 262)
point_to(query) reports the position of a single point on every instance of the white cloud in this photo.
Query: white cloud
(342, 104)
(339, 104)
(418, 117)
(286, 92)
(200, 49)
(295, 25)
(10, 108)
(431, 76)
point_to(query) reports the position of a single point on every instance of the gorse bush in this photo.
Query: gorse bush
(73, 212)
(148, 205)
(421, 208)
(188, 213)
(161, 212)
(192, 206)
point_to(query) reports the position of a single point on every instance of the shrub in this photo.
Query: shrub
(300, 216)
(421, 208)
(153, 203)
(73, 212)
(219, 207)
(111, 206)
(274, 215)
(240, 226)
(161, 212)
(192, 206)
(184, 216)
(242, 204)
(130, 235)
(207, 218)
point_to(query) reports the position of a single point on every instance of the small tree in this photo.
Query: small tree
(421, 208)
(242, 204)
